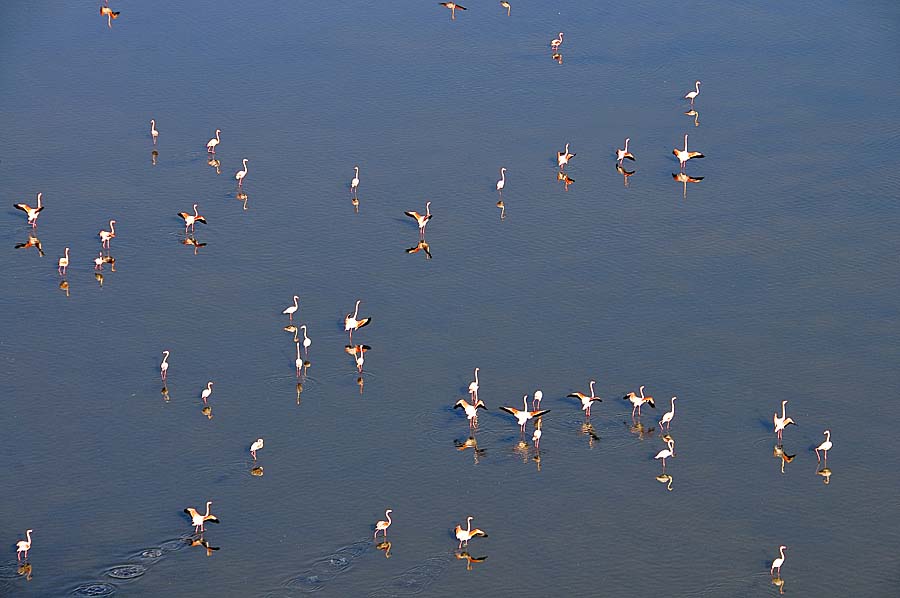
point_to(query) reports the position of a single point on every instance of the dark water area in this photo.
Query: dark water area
(775, 277)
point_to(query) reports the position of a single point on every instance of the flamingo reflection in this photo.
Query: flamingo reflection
(421, 246)
(465, 556)
(684, 179)
(32, 242)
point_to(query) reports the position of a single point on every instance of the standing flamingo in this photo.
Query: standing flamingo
(421, 220)
(637, 401)
(471, 410)
(63, 263)
(536, 436)
(240, 174)
(299, 361)
(781, 422)
(258, 444)
(190, 220)
(556, 43)
(354, 184)
(667, 416)
(32, 213)
(382, 526)
(684, 155)
(351, 323)
(464, 535)
(563, 157)
(622, 154)
(586, 400)
(777, 563)
(212, 143)
(693, 94)
(536, 399)
(290, 310)
(502, 182)
(306, 341)
(164, 366)
(825, 446)
(24, 546)
(523, 416)
(666, 453)
(107, 236)
(206, 392)
(198, 520)
(153, 132)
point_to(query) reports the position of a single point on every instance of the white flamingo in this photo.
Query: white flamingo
(206, 392)
(258, 444)
(464, 535)
(354, 184)
(586, 400)
(164, 366)
(212, 143)
(684, 155)
(824, 447)
(351, 323)
(777, 563)
(557, 42)
(666, 453)
(693, 94)
(563, 157)
(622, 154)
(153, 132)
(240, 174)
(502, 182)
(382, 526)
(24, 546)
(63, 263)
(522, 417)
(292, 309)
(107, 236)
(32, 213)
(306, 341)
(667, 416)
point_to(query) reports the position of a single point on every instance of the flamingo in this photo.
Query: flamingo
(421, 220)
(382, 526)
(107, 236)
(693, 94)
(153, 132)
(257, 445)
(32, 213)
(473, 386)
(621, 154)
(292, 309)
(464, 535)
(106, 11)
(471, 410)
(523, 416)
(24, 546)
(63, 263)
(536, 436)
(502, 182)
(637, 401)
(198, 520)
(684, 155)
(781, 422)
(206, 392)
(351, 323)
(306, 341)
(556, 43)
(563, 157)
(777, 563)
(164, 366)
(190, 220)
(536, 399)
(212, 143)
(825, 446)
(354, 184)
(667, 417)
(585, 399)
(299, 361)
(240, 174)
(505, 5)
(666, 453)
(452, 6)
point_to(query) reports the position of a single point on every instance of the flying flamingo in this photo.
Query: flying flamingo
(63, 263)
(825, 446)
(563, 157)
(198, 520)
(637, 401)
(164, 366)
(382, 526)
(502, 182)
(24, 546)
(354, 184)
(781, 422)
(693, 94)
(206, 392)
(421, 220)
(523, 416)
(473, 387)
(306, 341)
(190, 220)
(777, 563)
(240, 174)
(452, 6)
(667, 417)
(257, 445)
(107, 236)
(212, 143)
(471, 410)
(666, 453)
(351, 323)
(292, 309)
(32, 213)
(585, 399)
(684, 155)
(556, 43)
(622, 154)
(153, 132)
(464, 535)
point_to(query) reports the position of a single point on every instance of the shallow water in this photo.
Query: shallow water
(776, 277)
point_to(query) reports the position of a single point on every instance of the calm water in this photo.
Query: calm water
(775, 278)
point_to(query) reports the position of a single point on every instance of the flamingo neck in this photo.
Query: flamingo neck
(626, 145)
(388, 515)
(207, 508)
(356, 311)
(685, 143)
(112, 226)
(39, 200)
